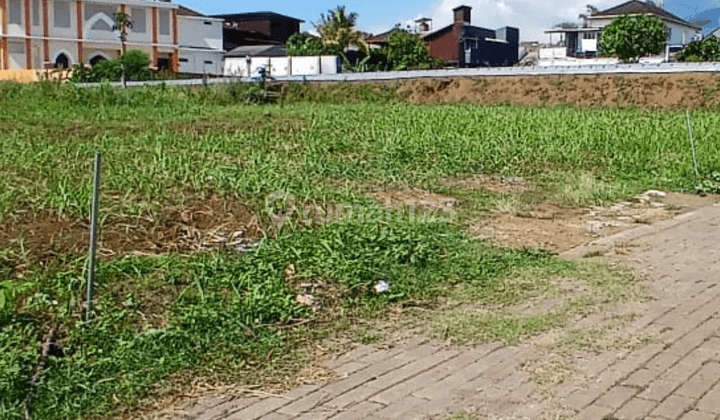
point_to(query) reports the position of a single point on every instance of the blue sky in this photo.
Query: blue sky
(531, 16)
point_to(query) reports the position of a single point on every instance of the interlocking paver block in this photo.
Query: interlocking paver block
(595, 412)
(673, 407)
(710, 403)
(635, 409)
(276, 416)
(223, 410)
(259, 409)
(617, 397)
(697, 415)
(359, 412)
(398, 409)
(701, 382)
(584, 397)
(306, 403)
(642, 377)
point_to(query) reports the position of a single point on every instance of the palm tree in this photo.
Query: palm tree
(123, 24)
(337, 30)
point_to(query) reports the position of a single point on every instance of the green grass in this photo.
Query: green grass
(223, 313)
(496, 311)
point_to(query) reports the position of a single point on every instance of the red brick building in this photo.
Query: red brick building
(463, 45)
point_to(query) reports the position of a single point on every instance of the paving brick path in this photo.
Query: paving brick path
(676, 376)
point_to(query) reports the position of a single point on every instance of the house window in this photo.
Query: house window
(61, 14)
(101, 25)
(62, 61)
(102, 17)
(15, 14)
(16, 47)
(97, 59)
(209, 63)
(36, 12)
(183, 60)
(589, 35)
(164, 22)
(139, 19)
(207, 23)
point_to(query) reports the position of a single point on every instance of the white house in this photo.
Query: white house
(36, 34)
(584, 41)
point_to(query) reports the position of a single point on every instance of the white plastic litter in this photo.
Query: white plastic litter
(382, 286)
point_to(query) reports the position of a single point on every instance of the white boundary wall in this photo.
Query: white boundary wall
(282, 66)
(610, 69)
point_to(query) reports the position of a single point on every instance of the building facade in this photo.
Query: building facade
(464, 45)
(258, 28)
(585, 41)
(38, 34)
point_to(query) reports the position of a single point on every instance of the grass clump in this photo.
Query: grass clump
(156, 316)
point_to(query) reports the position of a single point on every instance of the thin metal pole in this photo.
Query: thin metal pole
(93, 234)
(688, 121)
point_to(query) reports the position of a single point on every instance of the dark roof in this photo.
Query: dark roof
(256, 16)
(438, 32)
(258, 51)
(381, 38)
(635, 7)
(186, 11)
(238, 37)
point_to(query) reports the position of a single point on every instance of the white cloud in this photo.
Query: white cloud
(532, 17)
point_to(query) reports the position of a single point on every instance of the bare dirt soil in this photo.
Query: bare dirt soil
(654, 91)
(197, 225)
(557, 229)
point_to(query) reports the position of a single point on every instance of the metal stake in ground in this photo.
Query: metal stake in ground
(93, 235)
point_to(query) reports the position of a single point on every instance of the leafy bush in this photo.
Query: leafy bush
(705, 50)
(307, 45)
(136, 64)
(405, 51)
(631, 37)
(408, 51)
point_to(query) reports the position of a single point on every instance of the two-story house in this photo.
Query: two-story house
(36, 34)
(584, 41)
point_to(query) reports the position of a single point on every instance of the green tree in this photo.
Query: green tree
(123, 24)
(305, 44)
(705, 50)
(406, 50)
(631, 37)
(338, 30)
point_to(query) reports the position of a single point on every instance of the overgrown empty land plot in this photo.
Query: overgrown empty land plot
(197, 280)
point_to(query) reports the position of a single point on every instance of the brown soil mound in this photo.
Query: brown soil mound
(195, 226)
(654, 91)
